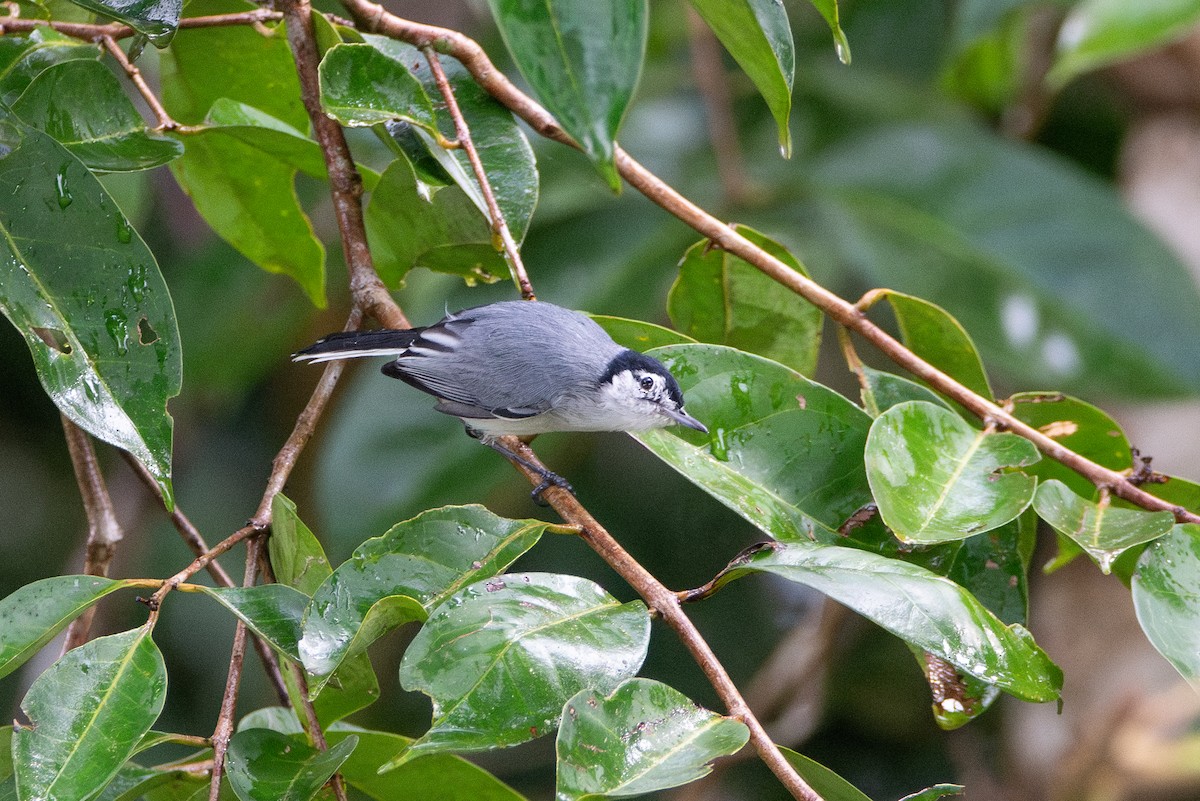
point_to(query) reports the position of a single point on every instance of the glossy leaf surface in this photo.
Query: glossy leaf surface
(937, 479)
(414, 225)
(782, 451)
(272, 611)
(1078, 425)
(500, 658)
(240, 170)
(638, 335)
(829, 10)
(1102, 530)
(86, 294)
(925, 610)
(720, 298)
(827, 784)
(883, 390)
(583, 58)
(299, 561)
(88, 712)
(82, 105)
(264, 765)
(1096, 33)
(504, 151)
(22, 58)
(1166, 597)
(31, 616)
(362, 85)
(402, 575)
(930, 332)
(441, 776)
(759, 37)
(642, 737)
(915, 206)
(157, 19)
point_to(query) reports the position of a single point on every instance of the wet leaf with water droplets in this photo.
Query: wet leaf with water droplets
(937, 479)
(31, 616)
(500, 658)
(925, 610)
(88, 713)
(398, 577)
(156, 19)
(782, 451)
(1166, 597)
(642, 737)
(66, 269)
(264, 765)
(1102, 530)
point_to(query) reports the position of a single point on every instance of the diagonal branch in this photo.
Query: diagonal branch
(473, 57)
(463, 132)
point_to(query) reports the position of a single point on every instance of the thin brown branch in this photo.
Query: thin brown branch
(473, 57)
(165, 121)
(233, 681)
(92, 32)
(191, 535)
(708, 71)
(345, 184)
(104, 531)
(463, 131)
(667, 605)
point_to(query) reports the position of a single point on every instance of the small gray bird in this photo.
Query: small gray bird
(523, 368)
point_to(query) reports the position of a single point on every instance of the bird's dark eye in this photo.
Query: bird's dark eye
(647, 383)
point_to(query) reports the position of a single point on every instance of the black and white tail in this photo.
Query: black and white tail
(357, 345)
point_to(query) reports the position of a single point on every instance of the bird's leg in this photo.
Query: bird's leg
(549, 478)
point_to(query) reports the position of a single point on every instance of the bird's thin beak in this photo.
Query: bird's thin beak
(684, 419)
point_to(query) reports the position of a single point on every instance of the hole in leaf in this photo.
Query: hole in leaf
(146, 332)
(53, 338)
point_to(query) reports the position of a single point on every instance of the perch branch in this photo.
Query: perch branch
(92, 32)
(165, 122)
(725, 237)
(104, 531)
(463, 132)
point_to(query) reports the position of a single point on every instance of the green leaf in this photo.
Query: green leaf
(31, 616)
(638, 335)
(441, 776)
(482, 658)
(583, 58)
(759, 37)
(829, 10)
(240, 172)
(881, 391)
(1077, 425)
(935, 792)
(87, 714)
(994, 567)
(400, 576)
(937, 479)
(81, 104)
(827, 784)
(1102, 530)
(1097, 33)
(410, 224)
(1166, 597)
(642, 737)
(720, 298)
(765, 421)
(931, 333)
(23, 58)
(361, 85)
(272, 611)
(156, 19)
(299, 561)
(85, 292)
(915, 206)
(133, 783)
(237, 62)
(264, 765)
(504, 151)
(925, 610)
(297, 558)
